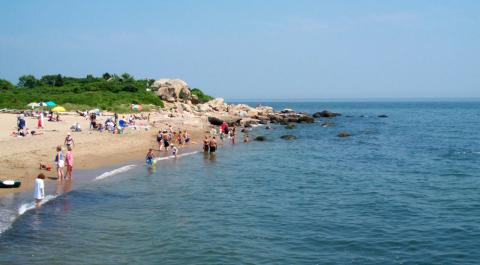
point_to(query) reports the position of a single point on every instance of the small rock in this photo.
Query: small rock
(382, 116)
(343, 134)
(290, 126)
(288, 137)
(268, 127)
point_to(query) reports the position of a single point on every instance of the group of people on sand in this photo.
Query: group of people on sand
(114, 124)
(168, 139)
(22, 130)
(61, 161)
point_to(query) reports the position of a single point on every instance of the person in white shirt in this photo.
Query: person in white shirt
(39, 190)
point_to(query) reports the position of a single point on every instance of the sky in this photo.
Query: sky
(269, 49)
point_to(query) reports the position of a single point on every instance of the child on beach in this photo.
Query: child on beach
(69, 162)
(60, 163)
(39, 190)
(174, 151)
(150, 157)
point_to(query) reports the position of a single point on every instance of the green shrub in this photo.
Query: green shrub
(78, 93)
(201, 96)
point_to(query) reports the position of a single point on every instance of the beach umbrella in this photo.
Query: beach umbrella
(51, 104)
(42, 104)
(34, 105)
(59, 109)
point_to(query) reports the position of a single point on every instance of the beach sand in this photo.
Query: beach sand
(20, 157)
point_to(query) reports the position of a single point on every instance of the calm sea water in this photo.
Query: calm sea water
(401, 190)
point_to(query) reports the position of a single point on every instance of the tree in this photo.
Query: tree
(5, 85)
(106, 76)
(27, 81)
(59, 80)
(150, 82)
(126, 77)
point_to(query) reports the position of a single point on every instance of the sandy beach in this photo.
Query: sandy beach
(20, 157)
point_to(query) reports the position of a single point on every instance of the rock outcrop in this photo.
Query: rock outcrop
(325, 114)
(343, 134)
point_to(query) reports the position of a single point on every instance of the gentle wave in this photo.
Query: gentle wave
(31, 205)
(179, 155)
(115, 172)
(8, 216)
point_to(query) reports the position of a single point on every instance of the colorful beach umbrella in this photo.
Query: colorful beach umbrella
(51, 104)
(59, 109)
(34, 105)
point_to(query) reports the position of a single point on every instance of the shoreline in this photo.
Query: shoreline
(20, 157)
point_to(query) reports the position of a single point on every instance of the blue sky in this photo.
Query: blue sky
(254, 49)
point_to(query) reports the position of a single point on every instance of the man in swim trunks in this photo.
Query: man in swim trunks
(213, 145)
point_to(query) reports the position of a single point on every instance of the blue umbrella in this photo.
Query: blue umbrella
(51, 104)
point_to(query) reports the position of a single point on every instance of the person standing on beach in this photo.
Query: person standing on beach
(60, 163)
(213, 145)
(69, 141)
(166, 141)
(39, 190)
(206, 144)
(160, 140)
(174, 151)
(69, 162)
(40, 120)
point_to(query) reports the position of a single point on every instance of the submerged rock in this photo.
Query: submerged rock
(325, 114)
(327, 124)
(260, 138)
(382, 116)
(290, 126)
(288, 137)
(305, 119)
(343, 134)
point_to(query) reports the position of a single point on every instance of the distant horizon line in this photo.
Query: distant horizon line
(403, 99)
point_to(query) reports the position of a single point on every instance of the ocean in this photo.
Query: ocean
(400, 190)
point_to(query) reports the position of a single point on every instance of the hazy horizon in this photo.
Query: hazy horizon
(248, 49)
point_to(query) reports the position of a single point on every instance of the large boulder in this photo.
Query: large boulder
(171, 89)
(217, 104)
